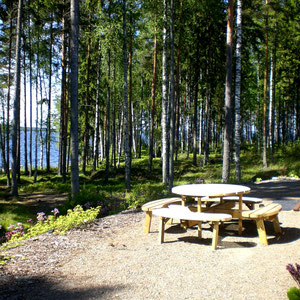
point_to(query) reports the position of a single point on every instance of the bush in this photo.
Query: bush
(146, 192)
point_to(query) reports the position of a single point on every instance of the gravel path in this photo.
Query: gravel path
(113, 259)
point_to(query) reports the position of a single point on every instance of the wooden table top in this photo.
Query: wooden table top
(210, 190)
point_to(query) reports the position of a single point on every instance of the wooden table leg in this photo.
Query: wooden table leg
(198, 204)
(199, 230)
(161, 230)
(240, 214)
(147, 221)
(215, 235)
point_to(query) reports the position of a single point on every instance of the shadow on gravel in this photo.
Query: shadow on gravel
(288, 234)
(43, 288)
(286, 193)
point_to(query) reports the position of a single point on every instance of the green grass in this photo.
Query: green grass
(145, 186)
(13, 214)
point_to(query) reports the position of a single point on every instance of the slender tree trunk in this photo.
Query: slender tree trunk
(36, 132)
(64, 104)
(120, 139)
(48, 134)
(238, 91)
(74, 4)
(265, 163)
(131, 137)
(126, 112)
(114, 114)
(16, 120)
(164, 119)
(271, 108)
(172, 99)
(87, 105)
(153, 95)
(188, 127)
(8, 102)
(206, 125)
(196, 89)
(41, 124)
(30, 96)
(177, 97)
(107, 121)
(97, 114)
(228, 86)
(25, 114)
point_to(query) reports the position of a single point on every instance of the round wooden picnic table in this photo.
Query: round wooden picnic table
(212, 190)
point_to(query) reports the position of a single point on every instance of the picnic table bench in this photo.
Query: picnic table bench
(184, 213)
(149, 206)
(266, 213)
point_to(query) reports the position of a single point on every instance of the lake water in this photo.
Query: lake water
(54, 151)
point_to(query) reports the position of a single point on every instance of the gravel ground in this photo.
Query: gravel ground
(113, 259)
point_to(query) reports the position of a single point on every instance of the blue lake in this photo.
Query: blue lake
(54, 151)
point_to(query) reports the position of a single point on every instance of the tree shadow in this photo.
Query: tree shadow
(45, 288)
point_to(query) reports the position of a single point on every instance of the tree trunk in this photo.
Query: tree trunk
(48, 134)
(126, 108)
(172, 99)
(86, 137)
(74, 4)
(131, 137)
(107, 120)
(265, 163)
(238, 91)
(177, 97)
(113, 160)
(228, 86)
(41, 123)
(164, 120)
(196, 89)
(8, 102)
(25, 113)
(271, 107)
(36, 110)
(153, 95)
(16, 120)
(97, 114)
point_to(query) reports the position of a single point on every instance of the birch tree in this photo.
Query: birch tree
(164, 118)
(228, 86)
(16, 120)
(74, 6)
(126, 108)
(238, 55)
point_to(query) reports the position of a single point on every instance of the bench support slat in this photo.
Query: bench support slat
(261, 231)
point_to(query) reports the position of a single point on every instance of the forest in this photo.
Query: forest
(152, 82)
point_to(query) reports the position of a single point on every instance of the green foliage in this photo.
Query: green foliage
(145, 192)
(293, 293)
(58, 225)
(13, 214)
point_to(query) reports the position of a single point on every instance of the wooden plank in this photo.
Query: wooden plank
(215, 235)
(160, 203)
(261, 231)
(265, 211)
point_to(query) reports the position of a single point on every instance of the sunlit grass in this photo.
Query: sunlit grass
(13, 214)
